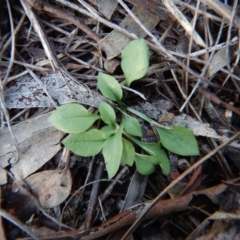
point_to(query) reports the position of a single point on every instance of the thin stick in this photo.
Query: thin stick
(223, 11)
(33, 17)
(190, 45)
(18, 223)
(2, 83)
(6, 45)
(71, 18)
(12, 45)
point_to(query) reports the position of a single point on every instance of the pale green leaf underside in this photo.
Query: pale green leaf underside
(72, 118)
(112, 153)
(132, 126)
(143, 165)
(128, 153)
(179, 140)
(107, 113)
(85, 144)
(135, 60)
(109, 87)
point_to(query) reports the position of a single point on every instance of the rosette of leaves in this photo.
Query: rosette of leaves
(118, 137)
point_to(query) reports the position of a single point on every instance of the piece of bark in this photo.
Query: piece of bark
(27, 93)
(107, 8)
(151, 6)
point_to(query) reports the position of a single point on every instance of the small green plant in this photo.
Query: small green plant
(117, 138)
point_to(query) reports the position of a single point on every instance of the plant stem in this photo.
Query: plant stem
(146, 118)
(131, 138)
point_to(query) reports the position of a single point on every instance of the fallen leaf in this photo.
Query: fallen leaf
(50, 187)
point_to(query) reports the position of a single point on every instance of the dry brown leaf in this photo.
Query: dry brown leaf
(50, 187)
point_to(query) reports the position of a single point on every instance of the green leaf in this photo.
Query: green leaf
(135, 60)
(144, 166)
(86, 143)
(107, 113)
(151, 159)
(109, 87)
(155, 149)
(112, 152)
(72, 118)
(108, 130)
(128, 154)
(179, 140)
(131, 125)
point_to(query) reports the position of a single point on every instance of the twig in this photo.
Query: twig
(184, 95)
(233, 13)
(33, 67)
(2, 83)
(69, 17)
(18, 223)
(93, 198)
(223, 11)
(212, 97)
(82, 188)
(204, 71)
(190, 45)
(113, 184)
(6, 45)
(184, 22)
(41, 33)
(201, 11)
(12, 45)
(98, 18)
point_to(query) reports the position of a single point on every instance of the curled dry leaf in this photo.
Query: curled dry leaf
(50, 187)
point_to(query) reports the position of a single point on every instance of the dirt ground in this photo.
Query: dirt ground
(51, 52)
